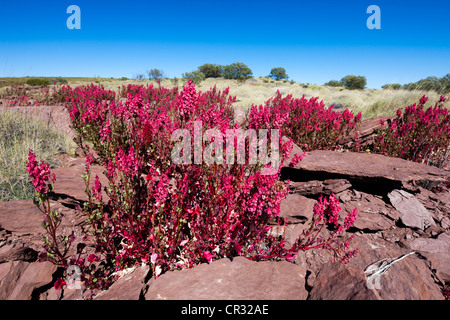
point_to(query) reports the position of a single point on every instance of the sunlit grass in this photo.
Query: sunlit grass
(19, 133)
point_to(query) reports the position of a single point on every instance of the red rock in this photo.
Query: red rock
(129, 287)
(297, 208)
(240, 279)
(436, 251)
(373, 213)
(413, 213)
(13, 253)
(407, 279)
(336, 281)
(18, 279)
(317, 187)
(20, 216)
(374, 167)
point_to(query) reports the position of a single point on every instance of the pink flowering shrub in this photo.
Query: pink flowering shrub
(171, 215)
(20, 95)
(308, 123)
(418, 134)
(42, 178)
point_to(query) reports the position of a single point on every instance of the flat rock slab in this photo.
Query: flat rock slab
(18, 279)
(21, 216)
(363, 165)
(413, 213)
(128, 287)
(336, 281)
(297, 208)
(240, 279)
(315, 187)
(437, 251)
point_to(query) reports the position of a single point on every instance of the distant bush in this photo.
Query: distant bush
(59, 80)
(124, 78)
(197, 76)
(278, 73)
(155, 74)
(211, 70)
(38, 82)
(333, 83)
(237, 71)
(353, 82)
(174, 81)
(439, 85)
(392, 86)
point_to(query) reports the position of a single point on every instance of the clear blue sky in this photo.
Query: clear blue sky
(315, 41)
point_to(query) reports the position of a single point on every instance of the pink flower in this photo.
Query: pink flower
(208, 256)
(289, 257)
(332, 211)
(97, 188)
(127, 162)
(59, 283)
(350, 219)
(92, 257)
(296, 159)
(188, 99)
(41, 176)
(423, 100)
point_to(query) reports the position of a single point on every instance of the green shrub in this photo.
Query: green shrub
(197, 76)
(38, 82)
(211, 70)
(59, 80)
(353, 82)
(392, 86)
(278, 73)
(237, 71)
(333, 83)
(439, 85)
(155, 74)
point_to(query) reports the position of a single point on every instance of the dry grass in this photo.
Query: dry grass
(19, 133)
(371, 102)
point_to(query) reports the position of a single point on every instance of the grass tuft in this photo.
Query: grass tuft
(19, 133)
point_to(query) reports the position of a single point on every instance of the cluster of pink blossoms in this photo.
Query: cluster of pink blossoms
(40, 174)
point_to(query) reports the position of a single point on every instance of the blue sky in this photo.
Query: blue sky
(315, 41)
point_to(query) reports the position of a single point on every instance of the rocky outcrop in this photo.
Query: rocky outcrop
(240, 279)
(413, 213)
(363, 167)
(401, 231)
